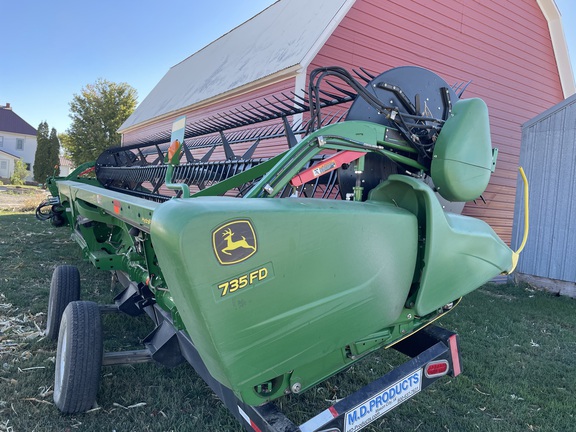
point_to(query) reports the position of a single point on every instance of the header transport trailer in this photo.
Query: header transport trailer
(269, 275)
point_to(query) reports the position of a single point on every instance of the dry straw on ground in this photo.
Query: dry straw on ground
(19, 199)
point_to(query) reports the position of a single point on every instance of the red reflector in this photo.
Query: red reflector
(436, 369)
(456, 368)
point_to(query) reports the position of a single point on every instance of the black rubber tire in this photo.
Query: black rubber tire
(57, 220)
(78, 358)
(64, 288)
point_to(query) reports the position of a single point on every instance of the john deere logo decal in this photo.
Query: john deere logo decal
(234, 242)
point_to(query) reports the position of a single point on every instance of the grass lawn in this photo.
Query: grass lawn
(518, 350)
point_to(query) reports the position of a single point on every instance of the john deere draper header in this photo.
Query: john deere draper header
(284, 270)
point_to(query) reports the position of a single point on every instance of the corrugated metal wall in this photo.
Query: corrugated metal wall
(548, 155)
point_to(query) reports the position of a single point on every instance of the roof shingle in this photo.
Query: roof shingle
(12, 122)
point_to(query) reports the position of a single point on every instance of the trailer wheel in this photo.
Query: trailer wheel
(64, 288)
(78, 358)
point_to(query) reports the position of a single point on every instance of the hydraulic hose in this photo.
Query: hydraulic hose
(516, 254)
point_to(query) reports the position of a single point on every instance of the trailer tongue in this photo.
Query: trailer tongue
(270, 274)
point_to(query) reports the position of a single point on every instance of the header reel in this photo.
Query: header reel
(415, 105)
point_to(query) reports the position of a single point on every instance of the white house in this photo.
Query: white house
(17, 141)
(66, 166)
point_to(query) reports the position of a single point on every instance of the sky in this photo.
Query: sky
(50, 50)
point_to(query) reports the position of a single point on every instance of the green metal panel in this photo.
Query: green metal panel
(462, 161)
(136, 211)
(270, 288)
(459, 253)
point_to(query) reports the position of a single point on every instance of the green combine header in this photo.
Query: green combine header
(271, 274)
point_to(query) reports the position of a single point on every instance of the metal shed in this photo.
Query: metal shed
(548, 155)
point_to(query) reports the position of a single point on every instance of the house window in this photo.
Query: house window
(3, 165)
(1, 141)
(19, 143)
(27, 167)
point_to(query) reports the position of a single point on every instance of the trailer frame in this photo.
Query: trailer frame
(432, 345)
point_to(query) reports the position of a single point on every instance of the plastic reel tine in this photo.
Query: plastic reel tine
(241, 121)
(208, 125)
(290, 108)
(241, 135)
(296, 106)
(196, 130)
(334, 97)
(247, 115)
(362, 77)
(329, 117)
(464, 89)
(270, 111)
(342, 116)
(368, 74)
(304, 104)
(343, 91)
(262, 133)
(280, 111)
(277, 129)
(265, 115)
(215, 123)
(225, 120)
(324, 102)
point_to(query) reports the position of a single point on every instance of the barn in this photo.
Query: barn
(513, 54)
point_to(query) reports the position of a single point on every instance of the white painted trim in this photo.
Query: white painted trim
(335, 22)
(552, 15)
(282, 75)
(299, 88)
(6, 154)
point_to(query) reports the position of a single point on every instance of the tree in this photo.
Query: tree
(41, 170)
(20, 173)
(54, 153)
(97, 113)
(66, 143)
(47, 156)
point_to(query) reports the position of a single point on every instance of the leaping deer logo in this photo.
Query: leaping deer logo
(234, 242)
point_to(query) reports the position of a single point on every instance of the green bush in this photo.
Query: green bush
(20, 173)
